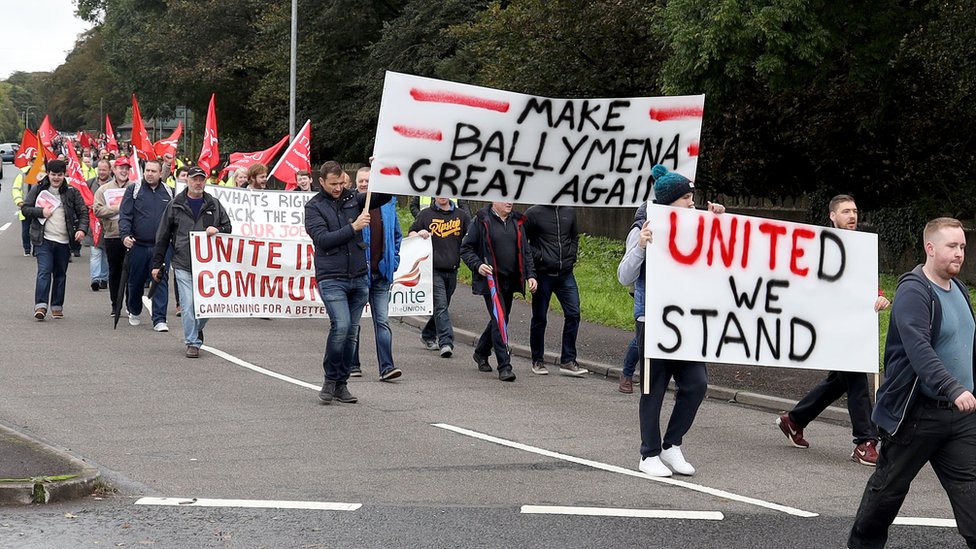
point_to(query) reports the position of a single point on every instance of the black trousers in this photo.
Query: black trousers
(828, 391)
(115, 253)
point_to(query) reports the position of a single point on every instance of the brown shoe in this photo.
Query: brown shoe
(40, 313)
(192, 352)
(626, 384)
(57, 315)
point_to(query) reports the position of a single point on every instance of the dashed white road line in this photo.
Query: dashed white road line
(5, 226)
(922, 521)
(612, 512)
(615, 469)
(250, 503)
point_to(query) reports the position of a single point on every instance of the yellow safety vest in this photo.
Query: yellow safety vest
(17, 190)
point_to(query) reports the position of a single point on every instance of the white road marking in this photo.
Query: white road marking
(615, 469)
(922, 521)
(611, 512)
(251, 503)
(5, 226)
(258, 369)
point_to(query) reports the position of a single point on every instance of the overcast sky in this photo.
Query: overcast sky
(36, 35)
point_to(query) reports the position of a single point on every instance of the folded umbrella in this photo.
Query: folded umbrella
(120, 297)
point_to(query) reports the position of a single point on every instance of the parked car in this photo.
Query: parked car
(8, 151)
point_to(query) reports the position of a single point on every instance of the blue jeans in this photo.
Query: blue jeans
(98, 266)
(191, 326)
(25, 235)
(140, 260)
(438, 327)
(52, 268)
(631, 358)
(379, 309)
(567, 293)
(344, 301)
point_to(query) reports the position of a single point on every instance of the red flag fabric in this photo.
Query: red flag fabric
(246, 160)
(296, 158)
(140, 139)
(46, 132)
(135, 172)
(210, 153)
(168, 145)
(27, 150)
(85, 141)
(111, 145)
(75, 178)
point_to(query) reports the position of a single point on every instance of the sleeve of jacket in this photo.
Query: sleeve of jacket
(223, 219)
(397, 239)
(318, 229)
(102, 211)
(527, 258)
(81, 211)
(28, 208)
(628, 271)
(415, 206)
(163, 236)
(574, 238)
(126, 209)
(910, 314)
(471, 247)
(17, 189)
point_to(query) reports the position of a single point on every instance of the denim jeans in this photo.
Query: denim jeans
(52, 268)
(98, 265)
(631, 358)
(830, 389)
(379, 309)
(191, 325)
(344, 300)
(25, 235)
(140, 260)
(491, 337)
(438, 327)
(944, 438)
(567, 293)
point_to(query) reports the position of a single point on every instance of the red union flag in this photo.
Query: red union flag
(140, 138)
(168, 145)
(46, 132)
(27, 150)
(209, 153)
(111, 145)
(244, 161)
(295, 158)
(75, 178)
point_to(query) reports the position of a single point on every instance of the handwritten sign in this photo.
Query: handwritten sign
(263, 213)
(439, 138)
(237, 276)
(745, 290)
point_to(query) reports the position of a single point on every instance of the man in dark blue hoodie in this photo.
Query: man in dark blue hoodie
(925, 406)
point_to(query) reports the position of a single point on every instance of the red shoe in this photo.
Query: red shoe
(792, 431)
(866, 453)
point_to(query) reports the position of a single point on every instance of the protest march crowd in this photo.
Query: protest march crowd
(137, 214)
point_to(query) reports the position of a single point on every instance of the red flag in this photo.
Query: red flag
(295, 158)
(209, 153)
(85, 140)
(246, 160)
(75, 178)
(46, 132)
(140, 139)
(27, 150)
(164, 146)
(111, 144)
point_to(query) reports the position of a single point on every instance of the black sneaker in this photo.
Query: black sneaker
(342, 394)
(506, 374)
(355, 372)
(103, 284)
(325, 395)
(482, 361)
(95, 286)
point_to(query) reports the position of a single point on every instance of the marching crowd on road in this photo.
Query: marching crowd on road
(139, 230)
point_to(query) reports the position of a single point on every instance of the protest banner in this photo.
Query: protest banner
(745, 290)
(262, 213)
(237, 276)
(439, 138)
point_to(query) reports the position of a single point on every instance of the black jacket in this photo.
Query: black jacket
(339, 249)
(477, 246)
(75, 211)
(176, 224)
(554, 237)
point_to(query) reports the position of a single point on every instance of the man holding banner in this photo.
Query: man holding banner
(334, 220)
(925, 405)
(843, 215)
(497, 252)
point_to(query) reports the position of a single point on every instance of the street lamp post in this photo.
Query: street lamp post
(294, 56)
(27, 114)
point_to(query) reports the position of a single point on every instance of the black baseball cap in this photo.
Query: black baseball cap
(196, 171)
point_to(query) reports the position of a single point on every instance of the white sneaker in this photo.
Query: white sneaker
(134, 320)
(673, 458)
(654, 467)
(160, 327)
(539, 368)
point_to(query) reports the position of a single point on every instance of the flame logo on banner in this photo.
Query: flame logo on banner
(412, 278)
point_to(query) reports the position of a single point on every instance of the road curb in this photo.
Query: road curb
(778, 405)
(52, 491)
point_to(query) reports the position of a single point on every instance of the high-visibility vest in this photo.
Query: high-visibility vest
(17, 190)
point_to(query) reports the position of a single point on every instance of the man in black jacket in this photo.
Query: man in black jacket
(554, 238)
(191, 210)
(334, 220)
(53, 224)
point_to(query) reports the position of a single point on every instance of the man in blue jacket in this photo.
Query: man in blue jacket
(140, 212)
(925, 406)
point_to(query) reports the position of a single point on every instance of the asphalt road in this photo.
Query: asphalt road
(418, 454)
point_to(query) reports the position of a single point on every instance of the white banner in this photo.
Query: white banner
(263, 214)
(237, 276)
(439, 138)
(745, 290)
